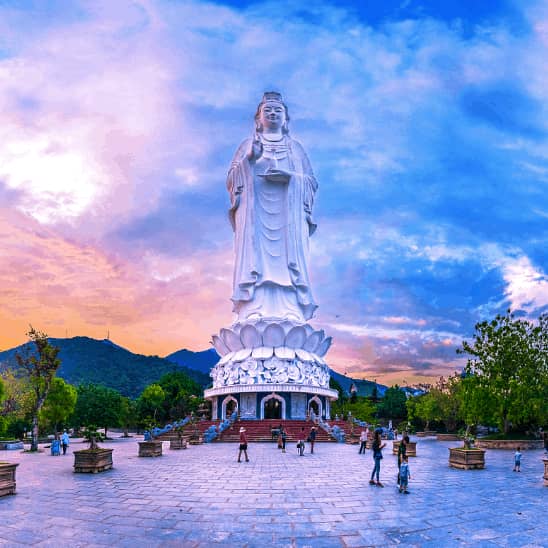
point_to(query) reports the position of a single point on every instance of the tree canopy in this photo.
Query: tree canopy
(40, 365)
(506, 380)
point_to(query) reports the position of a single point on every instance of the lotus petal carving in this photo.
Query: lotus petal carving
(284, 353)
(219, 345)
(250, 337)
(262, 353)
(313, 341)
(296, 337)
(231, 339)
(242, 354)
(303, 355)
(226, 358)
(323, 347)
(273, 335)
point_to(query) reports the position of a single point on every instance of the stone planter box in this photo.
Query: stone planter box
(466, 459)
(12, 444)
(509, 444)
(7, 478)
(448, 437)
(411, 450)
(150, 448)
(545, 471)
(177, 443)
(93, 460)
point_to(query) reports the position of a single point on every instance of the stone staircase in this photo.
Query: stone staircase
(261, 430)
(189, 429)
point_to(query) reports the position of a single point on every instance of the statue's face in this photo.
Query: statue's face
(272, 115)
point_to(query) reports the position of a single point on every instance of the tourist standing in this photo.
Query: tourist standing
(404, 475)
(65, 441)
(243, 445)
(517, 461)
(402, 453)
(284, 439)
(312, 439)
(363, 442)
(300, 444)
(378, 446)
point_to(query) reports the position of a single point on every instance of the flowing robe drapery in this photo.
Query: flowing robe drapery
(272, 223)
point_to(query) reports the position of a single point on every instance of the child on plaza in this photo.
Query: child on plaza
(405, 475)
(517, 461)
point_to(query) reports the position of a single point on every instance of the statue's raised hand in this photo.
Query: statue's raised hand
(255, 150)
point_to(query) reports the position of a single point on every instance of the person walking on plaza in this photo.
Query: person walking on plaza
(363, 442)
(517, 461)
(404, 475)
(378, 446)
(312, 439)
(300, 444)
(65, 441)
(402, 453)
(284, 439)
(243, 445)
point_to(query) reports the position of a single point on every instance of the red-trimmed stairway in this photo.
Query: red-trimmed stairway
(260, 430)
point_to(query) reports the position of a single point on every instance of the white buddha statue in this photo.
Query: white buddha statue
(272, 188)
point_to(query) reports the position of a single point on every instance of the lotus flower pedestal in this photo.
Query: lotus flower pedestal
(264, 360)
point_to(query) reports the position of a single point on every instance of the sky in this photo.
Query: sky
(426, 124)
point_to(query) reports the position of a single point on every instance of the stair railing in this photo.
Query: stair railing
(334, 431)
(156, 431)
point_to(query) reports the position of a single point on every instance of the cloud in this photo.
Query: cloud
(427, 134)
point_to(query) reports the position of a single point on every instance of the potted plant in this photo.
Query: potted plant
(467, 457)
(7, 478)
(196, 438)
(178, 442)
(150, 447)
(93, 459)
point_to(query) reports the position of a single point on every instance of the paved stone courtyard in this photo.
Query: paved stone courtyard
(202, 497)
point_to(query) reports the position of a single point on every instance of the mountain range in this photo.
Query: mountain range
(103, 362)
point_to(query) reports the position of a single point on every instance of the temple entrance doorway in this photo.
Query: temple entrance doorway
(230, 404)
(315, 407)
(272, 409)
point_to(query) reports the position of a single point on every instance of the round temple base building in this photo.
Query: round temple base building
(271, 370)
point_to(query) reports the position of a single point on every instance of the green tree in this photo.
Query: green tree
(361, 408)
(40, 365)
(151, 400)
(181, 396)
(393, 404)
(508, 358)
(59, 404)
(128, 413)
(97, 405)
(3, 420)
(425, 407)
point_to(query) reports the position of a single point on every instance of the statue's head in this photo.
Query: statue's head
(272, 106)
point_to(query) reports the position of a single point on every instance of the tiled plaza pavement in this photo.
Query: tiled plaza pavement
(201, 497)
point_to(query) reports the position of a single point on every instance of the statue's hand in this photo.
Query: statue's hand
(255, 150)
(277, 176)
